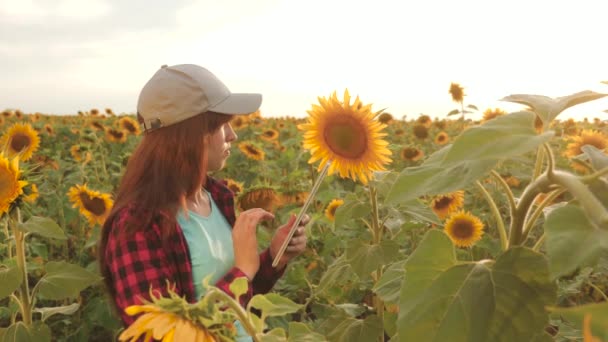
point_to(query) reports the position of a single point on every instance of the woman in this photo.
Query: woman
(171, 221)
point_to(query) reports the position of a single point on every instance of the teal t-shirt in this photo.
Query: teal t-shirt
(211, 251)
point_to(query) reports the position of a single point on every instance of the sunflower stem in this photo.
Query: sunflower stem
(523, 206)
(24, 294)
(590, 178)
(215, 293)
(529, 224)
(8, 239)
(377, 229)
(539, 243)
(538, 165)
(301, 214)
(499, 222)
(507, 190)
(594, 209)
(594, 287)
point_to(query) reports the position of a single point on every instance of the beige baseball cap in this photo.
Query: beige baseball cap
(176, 93)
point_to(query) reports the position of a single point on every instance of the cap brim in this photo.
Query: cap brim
(240, 103)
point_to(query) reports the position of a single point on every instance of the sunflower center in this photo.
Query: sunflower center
(252, 150)
(443, 202)
(410, 153)
(93, 204)
(463, 229)
(116, 134)
(129, 126)
(346, 137)
(19, 142)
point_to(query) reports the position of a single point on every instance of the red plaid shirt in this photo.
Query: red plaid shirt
(140, 261)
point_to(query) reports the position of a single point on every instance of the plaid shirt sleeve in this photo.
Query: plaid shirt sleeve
(139, 262)
(267, 275)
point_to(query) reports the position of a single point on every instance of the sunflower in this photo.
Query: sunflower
(442, 138)
(10, 185)
(7, 113)
(234, 186)
(22, 140)
(98, 126)
(512, 181)
(294, 197)
(33, 194)
(348, 136)
(464, 229)
(263, 197)
(129, 125)
(420, 131)
(424, 120)
(330, 211)
(385, 118)
(251, 151)
(457, 92)
(270, 135)
(94, 111)
(109, 111)
(95, 206)
(18, 114)
(238, 122)
(444, 205)
(77, 153)
(115, 135)
(441, 124)
(587, 137)
(490, 114)
(49, 129)
(399, 132)
(157, 323)
(411, 154)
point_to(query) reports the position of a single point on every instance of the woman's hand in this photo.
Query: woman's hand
(296, 246)
(245, 241)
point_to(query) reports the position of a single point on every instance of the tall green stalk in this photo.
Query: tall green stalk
(24, 290)
(377, 229)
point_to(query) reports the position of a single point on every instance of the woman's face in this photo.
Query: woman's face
(219, 147)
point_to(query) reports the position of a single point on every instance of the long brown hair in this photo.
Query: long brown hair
(168, 166)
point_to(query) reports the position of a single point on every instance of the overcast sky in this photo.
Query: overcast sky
(61, 56)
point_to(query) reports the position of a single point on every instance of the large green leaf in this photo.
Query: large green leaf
(274, 335)
(357, 330)
(300, 332)
(434, 255)
(503, 137)
(598, 316)
(19, 332)
(43, 226)
(572, 240)
(10, 279)
(598, 158)
(549, 108)
(388, 287)
(481, 301)
(273, 304)
(351, 209)
(365, 258)
(63, 280)
(433, 179)
(338, 272)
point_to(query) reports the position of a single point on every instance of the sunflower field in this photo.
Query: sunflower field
(421, 229)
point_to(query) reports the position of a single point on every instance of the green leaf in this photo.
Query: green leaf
(472, 107)
(37, 332)
(239, 286)
(598, 317)
(300, 332)
(351, 210)
(357, 330)
(435, 179)
(572, 240)
(504, 137)
(599, 159)
(43, 226)
(338, 272)
(481, 301)
(273, 304)
(365, 258)
(274, 335)
(10, 279)
(64, 310)
(388, 287)
(454, 112)
(549, 108)
(63, 280)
